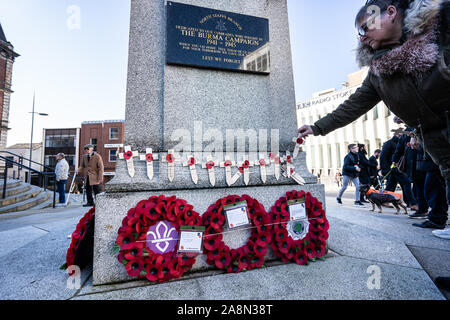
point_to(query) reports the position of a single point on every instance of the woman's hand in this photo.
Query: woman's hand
(304, 131)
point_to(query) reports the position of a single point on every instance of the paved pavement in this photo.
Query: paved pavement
(372, 256)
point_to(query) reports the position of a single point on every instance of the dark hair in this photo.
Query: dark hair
(401, 5)
(377, 151)
(351, 146)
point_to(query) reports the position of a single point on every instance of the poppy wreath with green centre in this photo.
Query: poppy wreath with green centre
(80, 251)
(313, 246)
(247, 257)
(138, 259)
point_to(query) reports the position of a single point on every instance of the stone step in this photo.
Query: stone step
(16, 198)
(43, 196)
(10, 183)
(23, 187)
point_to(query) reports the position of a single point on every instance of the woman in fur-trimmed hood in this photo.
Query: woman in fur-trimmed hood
(406, 45)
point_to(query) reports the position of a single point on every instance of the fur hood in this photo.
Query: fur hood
(420, 50)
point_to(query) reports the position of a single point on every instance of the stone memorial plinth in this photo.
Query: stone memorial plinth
(188, 101)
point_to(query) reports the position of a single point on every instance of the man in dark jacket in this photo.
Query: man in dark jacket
(364, 164)
(350, 171)
(413, 85)
(373, 169)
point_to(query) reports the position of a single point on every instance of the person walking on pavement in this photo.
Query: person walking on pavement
(364, 177)
(61, 173)
(92, 170)
(350, 171)
(373, 169)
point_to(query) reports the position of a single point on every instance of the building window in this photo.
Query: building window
(387, 112)
(114, 133)
(338, 155)
(93, 141)
(375, 113)
(112, 155)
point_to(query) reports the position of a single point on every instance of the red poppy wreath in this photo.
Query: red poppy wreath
(247, 257)
(147, 241)
(81, 247)
(303, 240)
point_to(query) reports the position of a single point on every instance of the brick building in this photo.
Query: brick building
(107, 137)
(7, 57)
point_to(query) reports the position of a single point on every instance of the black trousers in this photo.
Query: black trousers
(89, 189)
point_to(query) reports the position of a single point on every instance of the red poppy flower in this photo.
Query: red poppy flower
(135, 253)
(310, 251)
(152, 272)
(263, 239)
(79, 232)
(323, 236)
(234, 268)
(149, 157)
(241, 169)
(262, 162)
(128, 155)
(223, 260)
(246, 164)
(134, 267)
(256, 262)
(217, 221)
(300, 141)
(258, 218)
(260, 250)
(191, 161)
(319, 250)
(244, 261)
(175, 268)
(210, 164)
(228, 163)
(125, 241)
(289, 159)
(300, 257)
(170, 158)
(212, 242)
(281, 235)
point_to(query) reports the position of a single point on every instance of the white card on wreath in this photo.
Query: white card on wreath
(191, 239)
(237, 214)
(297, 209)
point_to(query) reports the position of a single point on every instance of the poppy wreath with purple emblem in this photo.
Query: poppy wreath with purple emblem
(135, 255)
(314, 245)
(247, 257)
(81, 247)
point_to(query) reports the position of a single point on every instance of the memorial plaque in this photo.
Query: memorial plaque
(208, 38)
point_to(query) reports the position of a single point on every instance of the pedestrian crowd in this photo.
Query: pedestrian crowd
(402, 163)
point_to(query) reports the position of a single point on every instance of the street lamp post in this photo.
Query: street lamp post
(31, 142)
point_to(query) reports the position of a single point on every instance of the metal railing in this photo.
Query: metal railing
(44, 176)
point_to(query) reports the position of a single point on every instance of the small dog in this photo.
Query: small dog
(377, 198)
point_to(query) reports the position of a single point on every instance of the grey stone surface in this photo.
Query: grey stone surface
(122, 182)
(163, 98)
(13, 239)
(335, 278)
(436, 262)
(113, 207)
(348, 239)
(31, 271)
(396, 227)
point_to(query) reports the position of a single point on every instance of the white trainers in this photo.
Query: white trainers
(443, 234)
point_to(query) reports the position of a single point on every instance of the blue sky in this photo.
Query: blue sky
(80, 74)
